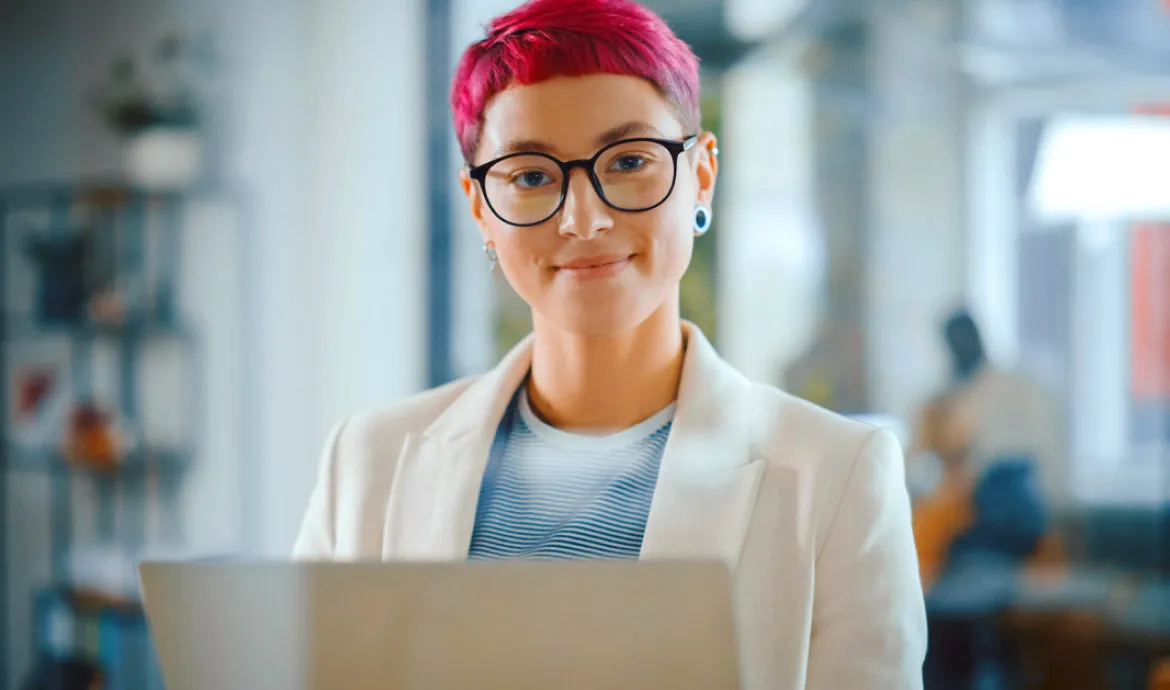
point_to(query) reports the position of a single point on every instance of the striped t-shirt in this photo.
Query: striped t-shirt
(551, 494)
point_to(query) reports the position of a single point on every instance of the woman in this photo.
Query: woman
(615, 430)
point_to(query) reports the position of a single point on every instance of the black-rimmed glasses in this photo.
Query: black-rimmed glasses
(631, 175)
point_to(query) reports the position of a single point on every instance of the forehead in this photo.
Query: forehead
(569, 113)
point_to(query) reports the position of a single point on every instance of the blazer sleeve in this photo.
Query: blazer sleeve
(316, 539)
(869, 618)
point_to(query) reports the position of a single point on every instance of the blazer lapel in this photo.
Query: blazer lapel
(708, 481)
(431, 511)
(432, 504)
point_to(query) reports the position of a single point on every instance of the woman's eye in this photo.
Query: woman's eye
(628, 162)
(531, 178)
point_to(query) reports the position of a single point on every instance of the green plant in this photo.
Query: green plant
(157, 93)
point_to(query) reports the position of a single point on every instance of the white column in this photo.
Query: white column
(473, 290)
(993, 253)
(1100, 377)
(329, 135)
(771, 253)
(916, 258)
(367, 194)
(757, 19)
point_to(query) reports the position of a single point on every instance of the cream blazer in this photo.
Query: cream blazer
(809, 509)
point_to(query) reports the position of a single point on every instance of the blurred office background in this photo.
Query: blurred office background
(226, 225)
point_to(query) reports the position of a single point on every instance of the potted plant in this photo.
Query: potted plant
(153, 107)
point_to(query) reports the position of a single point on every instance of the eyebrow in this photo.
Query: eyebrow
(627, 130)
(609, 136)
(524, 146)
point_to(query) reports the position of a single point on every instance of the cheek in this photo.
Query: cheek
(673, 238)
(522, 252)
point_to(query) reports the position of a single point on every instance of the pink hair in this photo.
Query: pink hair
(543, 39)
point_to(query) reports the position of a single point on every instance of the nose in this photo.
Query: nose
(584, 213)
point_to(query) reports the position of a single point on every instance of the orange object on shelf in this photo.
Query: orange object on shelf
(95, 601)
(91, 439)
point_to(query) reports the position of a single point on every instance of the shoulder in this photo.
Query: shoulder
(388, 426)
(832, 454)
(410, 414)
(794, 431)
(356, 471)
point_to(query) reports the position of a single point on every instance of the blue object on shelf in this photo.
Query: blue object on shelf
(122, 648)
(63, 673)
(61, 275)
(54, 631)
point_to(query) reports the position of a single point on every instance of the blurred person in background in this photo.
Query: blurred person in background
(615, 431)
(994, 507)
(1013, 415)
(981, 528)
(942, 515)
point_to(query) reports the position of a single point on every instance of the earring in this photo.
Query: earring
(702, 220)
(489, 251)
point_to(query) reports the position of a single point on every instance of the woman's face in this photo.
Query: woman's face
(590, 269)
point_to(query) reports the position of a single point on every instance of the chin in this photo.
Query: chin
(601, 320)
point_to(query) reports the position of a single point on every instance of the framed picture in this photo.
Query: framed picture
(39, 396)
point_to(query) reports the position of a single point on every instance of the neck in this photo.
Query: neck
(613, 382)
(967, 370)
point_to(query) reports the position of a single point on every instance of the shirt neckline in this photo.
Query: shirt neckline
(601, 441)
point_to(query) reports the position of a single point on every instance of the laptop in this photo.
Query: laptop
(442, 626)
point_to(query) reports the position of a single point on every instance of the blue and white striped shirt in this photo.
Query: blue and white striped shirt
(550, 494)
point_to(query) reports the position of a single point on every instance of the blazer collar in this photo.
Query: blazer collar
(706, 486)
(481, 407)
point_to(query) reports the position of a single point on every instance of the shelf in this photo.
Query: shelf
(166, 461)
(91, 603)
(136, 501)
(110, 630)
(26, 328)
(101, 191)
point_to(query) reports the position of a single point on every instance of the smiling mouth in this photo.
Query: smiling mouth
(595, 267)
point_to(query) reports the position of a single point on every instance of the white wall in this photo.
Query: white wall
(35, 60)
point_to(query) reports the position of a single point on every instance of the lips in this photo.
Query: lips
(593, 262)
(591, 267)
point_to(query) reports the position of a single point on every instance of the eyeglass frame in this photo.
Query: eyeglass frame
(675, 147)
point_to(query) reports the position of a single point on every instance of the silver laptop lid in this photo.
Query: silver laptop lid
(442, 626)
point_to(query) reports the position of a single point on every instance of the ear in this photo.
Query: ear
(706, 167)
(475, 200)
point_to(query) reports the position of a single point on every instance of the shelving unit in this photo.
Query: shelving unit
(112, 630)
(139, 233)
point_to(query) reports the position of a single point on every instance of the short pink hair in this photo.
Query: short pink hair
(543, 39)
